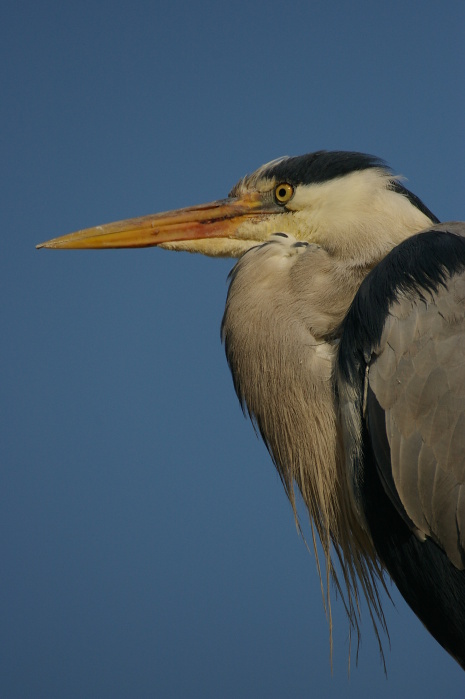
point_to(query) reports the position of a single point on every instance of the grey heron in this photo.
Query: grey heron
(344, 332)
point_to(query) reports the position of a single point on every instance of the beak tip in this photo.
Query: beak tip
(46, 244)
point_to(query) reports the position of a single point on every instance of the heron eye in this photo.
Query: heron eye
(283, 192)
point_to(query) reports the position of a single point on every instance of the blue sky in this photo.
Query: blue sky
(148, 549)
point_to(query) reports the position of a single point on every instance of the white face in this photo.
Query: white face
(357, 217)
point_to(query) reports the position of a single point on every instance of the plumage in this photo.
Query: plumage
(344, 332)
(410, 428)
(283, 374)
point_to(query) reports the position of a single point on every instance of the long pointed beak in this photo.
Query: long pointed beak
(218, 219)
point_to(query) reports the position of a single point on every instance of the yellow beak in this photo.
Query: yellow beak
(218, 219)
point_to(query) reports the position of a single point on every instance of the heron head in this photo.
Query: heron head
(341, 200)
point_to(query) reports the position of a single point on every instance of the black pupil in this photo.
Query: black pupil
(282, 192)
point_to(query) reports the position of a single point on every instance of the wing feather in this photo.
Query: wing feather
(417, 375)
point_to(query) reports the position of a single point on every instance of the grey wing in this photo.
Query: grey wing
(417, 377)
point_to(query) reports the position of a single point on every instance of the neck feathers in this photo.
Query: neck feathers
(279, 345)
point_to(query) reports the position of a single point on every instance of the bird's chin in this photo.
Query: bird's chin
(213, 247)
